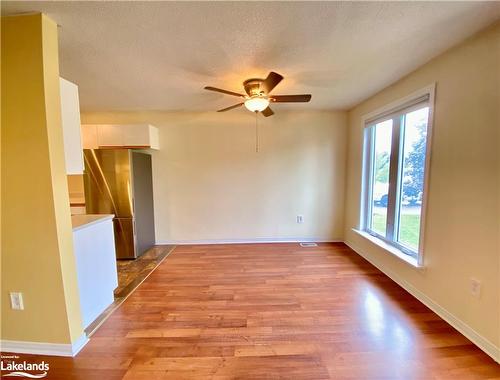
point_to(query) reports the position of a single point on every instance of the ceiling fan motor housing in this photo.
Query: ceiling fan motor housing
(253, 87)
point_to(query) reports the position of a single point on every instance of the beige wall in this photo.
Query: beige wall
(462, 228)
(37, 246)
(210, 184)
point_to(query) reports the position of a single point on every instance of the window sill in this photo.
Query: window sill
(389, 248)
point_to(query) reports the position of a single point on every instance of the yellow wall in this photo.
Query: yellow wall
(462, 228)
(210, 184)
(37, 246)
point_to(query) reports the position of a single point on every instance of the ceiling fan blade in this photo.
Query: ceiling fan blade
(230, 108)
(304, 98)
(224, 91)
(267, 112)
(271, 82)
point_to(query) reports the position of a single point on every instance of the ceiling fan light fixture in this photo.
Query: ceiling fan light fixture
(258, 98)
(257, 104)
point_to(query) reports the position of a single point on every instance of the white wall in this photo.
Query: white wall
(462, 229)
(211, 185)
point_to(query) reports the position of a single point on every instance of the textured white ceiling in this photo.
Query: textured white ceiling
(160, 55)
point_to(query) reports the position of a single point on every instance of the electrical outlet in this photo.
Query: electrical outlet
(300, 219)
(16, 301)
(475, 287)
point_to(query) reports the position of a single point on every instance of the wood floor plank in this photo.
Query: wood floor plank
(272, 311)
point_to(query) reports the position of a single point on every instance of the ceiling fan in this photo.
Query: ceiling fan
(258, 98)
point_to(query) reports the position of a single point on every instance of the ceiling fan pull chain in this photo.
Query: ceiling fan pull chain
(256, 134)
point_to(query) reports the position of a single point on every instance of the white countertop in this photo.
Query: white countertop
(85, 220)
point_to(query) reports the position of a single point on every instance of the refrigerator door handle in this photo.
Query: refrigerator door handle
(131, 197)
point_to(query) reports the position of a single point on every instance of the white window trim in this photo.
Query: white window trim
(365, 179)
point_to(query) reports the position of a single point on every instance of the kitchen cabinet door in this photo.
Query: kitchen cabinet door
(89, 136)
(70, 119)
(109, 135)
(136, 135)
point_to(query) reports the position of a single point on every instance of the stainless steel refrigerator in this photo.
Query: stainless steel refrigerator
(119, 182)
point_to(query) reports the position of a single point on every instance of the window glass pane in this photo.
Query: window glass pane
(412, 184)
(380, 190)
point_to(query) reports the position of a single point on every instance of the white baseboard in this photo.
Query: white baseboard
(476, 338)
(37, 348)
(249, 241)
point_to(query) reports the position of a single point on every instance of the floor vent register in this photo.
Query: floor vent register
(307, 245)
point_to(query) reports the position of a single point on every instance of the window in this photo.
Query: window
(395, 165)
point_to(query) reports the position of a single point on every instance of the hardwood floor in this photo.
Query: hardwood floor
(132, 272)
(272, 311)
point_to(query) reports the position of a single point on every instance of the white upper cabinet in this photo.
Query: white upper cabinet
(141, 135)
(120, 136)
(70, 118)
(89, 136)
(110, 136)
